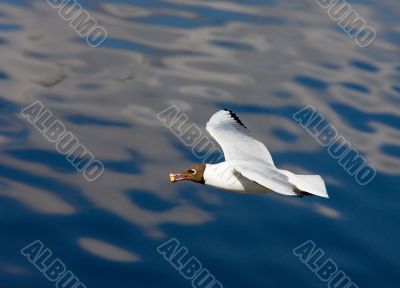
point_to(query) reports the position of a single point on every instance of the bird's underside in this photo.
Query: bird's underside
(256, 177)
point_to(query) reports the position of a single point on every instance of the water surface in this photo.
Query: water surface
(263, 59)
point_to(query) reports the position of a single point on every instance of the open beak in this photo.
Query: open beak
(176, 177)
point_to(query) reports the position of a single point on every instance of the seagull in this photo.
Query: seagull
(248, 166)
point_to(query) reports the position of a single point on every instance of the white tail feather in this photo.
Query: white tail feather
(312, 184)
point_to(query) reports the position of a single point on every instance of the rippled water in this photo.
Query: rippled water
(263, 59)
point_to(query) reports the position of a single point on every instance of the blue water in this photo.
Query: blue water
(265, 60)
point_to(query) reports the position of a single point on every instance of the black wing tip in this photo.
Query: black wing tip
(234, 116)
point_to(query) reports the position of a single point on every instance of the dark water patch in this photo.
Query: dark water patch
(106, 225)
(3, 41)
(284, 135)
(149, 201)
(125, 167)
(282, 94)
(128, 166)
(95, 121)
(206, 16)
(255, 232)
(393, 37)
(355, 86)
(9, 27)
(54, 97)
(60, 234)
(391, 150)
(164, 4)
(103, 225)
(192, 193)
(311, 82)
(233, 45)
(7, 106)
(52, 159)
(319, 161)
(396, 88)
(361, 120)
(365, 66)
(215, 157)
(3, 75)
(11, 126)
(217, 17)
(19, 227)
(68, 191)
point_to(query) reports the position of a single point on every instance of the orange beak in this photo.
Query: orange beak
(176, 177)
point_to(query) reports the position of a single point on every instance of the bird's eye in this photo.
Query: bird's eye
(193, 171)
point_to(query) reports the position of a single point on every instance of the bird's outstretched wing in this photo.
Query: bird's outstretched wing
(235, 139)
(267, 176)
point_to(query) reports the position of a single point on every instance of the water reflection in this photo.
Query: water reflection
(263, 59)
(106, 250)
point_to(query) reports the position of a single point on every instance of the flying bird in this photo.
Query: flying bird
(248, 165)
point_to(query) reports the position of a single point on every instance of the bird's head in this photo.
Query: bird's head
(194, 173)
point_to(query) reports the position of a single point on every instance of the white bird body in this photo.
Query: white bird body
(226, 176)
(223, 175)
(248, 166)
